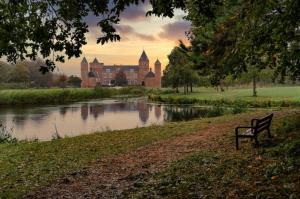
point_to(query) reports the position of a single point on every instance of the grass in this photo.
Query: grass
(267, 97)
(58, 95)
(269, 172)
(27, 166)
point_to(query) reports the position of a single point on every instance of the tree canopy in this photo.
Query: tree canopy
(226, 36)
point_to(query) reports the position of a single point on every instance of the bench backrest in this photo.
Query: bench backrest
(262, 123)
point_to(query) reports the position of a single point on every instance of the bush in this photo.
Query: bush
(5, 135)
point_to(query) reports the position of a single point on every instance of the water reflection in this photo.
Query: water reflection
(82, 118)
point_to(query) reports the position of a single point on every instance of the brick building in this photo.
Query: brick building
(97, 74)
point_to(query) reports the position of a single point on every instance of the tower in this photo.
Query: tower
(84, 73)
(144, 67)
(157, 66)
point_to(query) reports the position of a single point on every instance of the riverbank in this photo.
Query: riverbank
(67, 163)
(59, 95)
(267, 97)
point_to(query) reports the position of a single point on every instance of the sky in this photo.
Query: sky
(157, 36)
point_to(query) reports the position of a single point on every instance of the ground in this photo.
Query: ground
(137, 157)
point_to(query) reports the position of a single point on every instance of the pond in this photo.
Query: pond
(48, 121)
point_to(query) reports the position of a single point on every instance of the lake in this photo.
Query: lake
(48, 121)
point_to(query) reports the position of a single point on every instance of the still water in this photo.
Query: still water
(44, 122)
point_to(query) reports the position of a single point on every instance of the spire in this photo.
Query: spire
(144, 57)
(95, 61)
(157, 62)
(84, 61)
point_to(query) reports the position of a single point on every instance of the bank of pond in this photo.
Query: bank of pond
(47, 122)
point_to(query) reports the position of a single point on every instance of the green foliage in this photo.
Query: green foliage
(5, 135)
(56, 96)
(74, 81)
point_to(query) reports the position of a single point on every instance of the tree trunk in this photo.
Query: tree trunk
(191, 86)
(254, 87)
(177, 90)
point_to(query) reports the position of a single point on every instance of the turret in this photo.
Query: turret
(144, 61)
(84, 72)
(157, 66)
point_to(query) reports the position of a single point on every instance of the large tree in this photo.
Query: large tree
(54, 29)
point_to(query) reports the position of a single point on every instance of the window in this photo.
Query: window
(131, 70)
(107, 70)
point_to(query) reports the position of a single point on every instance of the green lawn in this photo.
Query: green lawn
(267, 97)
(273, 93)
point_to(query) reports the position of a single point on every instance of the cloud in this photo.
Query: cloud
(127, 31)
(175, 31)
(134, 13)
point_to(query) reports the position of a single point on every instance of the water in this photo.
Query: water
(44, 122)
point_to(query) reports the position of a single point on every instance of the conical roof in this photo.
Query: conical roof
(144, 57)
(95, 61)
(150, 74)
(157, 62)
(84, 61)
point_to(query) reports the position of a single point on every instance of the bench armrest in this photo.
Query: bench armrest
(253, 120)
(242, 127)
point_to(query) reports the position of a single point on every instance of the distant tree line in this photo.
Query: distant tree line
(27, 74)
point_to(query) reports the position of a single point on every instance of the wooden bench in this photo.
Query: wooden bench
(257, 126)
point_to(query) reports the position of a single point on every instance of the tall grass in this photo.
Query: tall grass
(56, 96)
(236, 102)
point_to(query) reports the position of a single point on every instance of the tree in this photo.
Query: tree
(5, 70)
(62, 79)
(74, 81)
(55, 27)
(179, 71)
(20, 73)
(121, 79)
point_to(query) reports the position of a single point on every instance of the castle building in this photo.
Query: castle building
(97, 74)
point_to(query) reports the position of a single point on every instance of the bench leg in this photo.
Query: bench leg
(256, 142)
(237, 142)
(269, 133)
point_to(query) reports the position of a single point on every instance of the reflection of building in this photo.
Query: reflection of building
(84, 111)
(96, 110)
(141, 106)
(143, 109)
(98, 74)
(157, 111)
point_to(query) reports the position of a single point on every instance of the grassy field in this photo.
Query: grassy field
(59, 95)
(271, 96)
(220, 172)
(28, 166)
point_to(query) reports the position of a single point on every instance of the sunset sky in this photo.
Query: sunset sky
(157, 36)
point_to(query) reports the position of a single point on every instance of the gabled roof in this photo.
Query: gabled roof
(84, 61)
(144, 57)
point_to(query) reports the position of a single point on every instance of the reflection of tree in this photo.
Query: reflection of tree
(63, 111)
(143, 109)
(183, 113)
(95, 110)
(20, 120)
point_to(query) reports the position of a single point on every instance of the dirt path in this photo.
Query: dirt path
(110, 177)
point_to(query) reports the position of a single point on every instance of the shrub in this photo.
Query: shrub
(5, 135)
